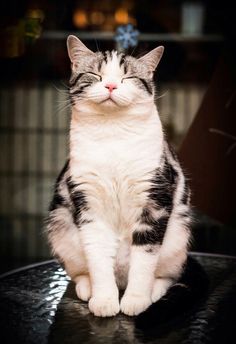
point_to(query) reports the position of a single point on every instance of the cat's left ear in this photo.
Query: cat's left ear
(152, 59)
(76, 49)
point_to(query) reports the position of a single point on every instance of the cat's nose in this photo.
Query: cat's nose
(111, 86)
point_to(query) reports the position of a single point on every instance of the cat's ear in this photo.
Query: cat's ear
(76, 49)
(152, 59)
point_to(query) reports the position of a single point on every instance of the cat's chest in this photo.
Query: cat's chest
(115, 173)
(115, 160)
(120, 149)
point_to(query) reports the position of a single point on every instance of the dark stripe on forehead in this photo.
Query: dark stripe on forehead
(100, 64)
(122, 59)
(123, 63)
(105, 57)
(109, 54)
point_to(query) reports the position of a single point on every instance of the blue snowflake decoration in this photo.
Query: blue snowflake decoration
(127, 36)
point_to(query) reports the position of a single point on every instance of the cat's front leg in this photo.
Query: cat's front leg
(100, 246)
(143, 262)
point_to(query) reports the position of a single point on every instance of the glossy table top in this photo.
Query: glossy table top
(38, 304)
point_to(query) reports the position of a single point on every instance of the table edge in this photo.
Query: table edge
(31, 266)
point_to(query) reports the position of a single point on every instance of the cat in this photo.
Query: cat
(120, 215)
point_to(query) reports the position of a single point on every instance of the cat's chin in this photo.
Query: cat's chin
(110, 103)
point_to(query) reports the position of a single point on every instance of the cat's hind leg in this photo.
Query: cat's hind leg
(83, 287)
(66, 245)
(173, 253)
(160, 287)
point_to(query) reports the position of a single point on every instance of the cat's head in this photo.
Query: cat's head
(110, 80)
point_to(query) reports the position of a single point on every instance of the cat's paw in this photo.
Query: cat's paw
(160, 287)
(132, 304)
(104, 306)
(83, 287)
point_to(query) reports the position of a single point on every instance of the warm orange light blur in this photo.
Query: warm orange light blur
(80, 18)
(97, 18)
(122, 16)
(133, 21)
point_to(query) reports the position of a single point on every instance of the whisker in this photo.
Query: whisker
(229, 150)
(96, 42)
(62, 104)
(162, 95)
(223, 133)
(133, 51)
(65, 85)
(63, 100)
(67, 101)
(62, 108)
(60, 90)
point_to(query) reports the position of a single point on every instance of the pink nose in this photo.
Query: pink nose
(111, 86)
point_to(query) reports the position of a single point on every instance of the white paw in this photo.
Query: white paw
(160, 287)
(83, 287)
(134, 304)
(103, 306)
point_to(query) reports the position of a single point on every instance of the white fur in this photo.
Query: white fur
(114, 149)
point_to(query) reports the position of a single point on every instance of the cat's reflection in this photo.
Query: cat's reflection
(164, 322)
(75, 324)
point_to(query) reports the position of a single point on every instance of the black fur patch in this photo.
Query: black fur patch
(78, 200)
(163, 187)
(58, 200)
(153, 236)
(63, 171)
(146, 217)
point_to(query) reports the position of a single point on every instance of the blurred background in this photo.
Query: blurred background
(196, 101)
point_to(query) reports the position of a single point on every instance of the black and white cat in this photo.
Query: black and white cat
(120, 215)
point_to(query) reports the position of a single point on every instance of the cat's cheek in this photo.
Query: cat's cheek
(128, 91)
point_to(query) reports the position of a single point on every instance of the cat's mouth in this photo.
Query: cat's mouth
(109, 100)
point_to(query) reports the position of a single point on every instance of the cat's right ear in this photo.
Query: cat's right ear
(76, 49)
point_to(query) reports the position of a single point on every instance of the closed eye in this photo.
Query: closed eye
(96, 75)
(129, 77)
(143, 81)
